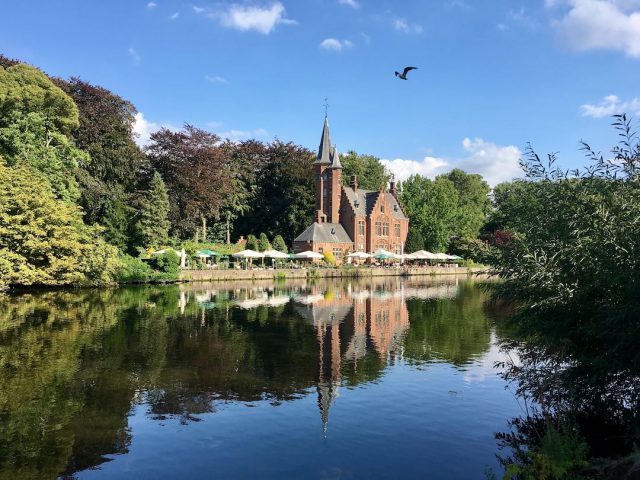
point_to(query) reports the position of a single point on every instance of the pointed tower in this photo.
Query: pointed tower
(335, 193)
(323, 161)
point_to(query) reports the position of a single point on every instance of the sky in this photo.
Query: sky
(492, 75)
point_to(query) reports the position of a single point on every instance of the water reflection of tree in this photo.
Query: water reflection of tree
(74, 364)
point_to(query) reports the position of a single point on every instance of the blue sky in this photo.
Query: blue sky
(493, 74)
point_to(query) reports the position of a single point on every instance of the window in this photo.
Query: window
(385, 230)
(361, 247)
(396, 229)
(360, 227)
(320, 250)
(382, 208)
(337, 253)
(378, 228)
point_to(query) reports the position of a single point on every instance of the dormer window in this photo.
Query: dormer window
(333, 231)
(395, 208)
(356, 204)
(382, 208)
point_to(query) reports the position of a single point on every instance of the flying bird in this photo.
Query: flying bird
(403, 75)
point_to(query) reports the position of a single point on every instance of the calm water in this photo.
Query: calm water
(344, 380)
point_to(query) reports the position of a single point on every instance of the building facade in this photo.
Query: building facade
(348, 218)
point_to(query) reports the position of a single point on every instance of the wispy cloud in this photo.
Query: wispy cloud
(134, 55)
(598, 24)
(611, 105)
(494, 162)
(214, 124)
(402, 25)
(152, 5)
(335, 45)
(262, 19)
(174, 16)
(350, 3)
(216, 79)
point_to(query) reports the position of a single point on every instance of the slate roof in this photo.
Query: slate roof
(366, 200)
(324, 233)
(325, 149)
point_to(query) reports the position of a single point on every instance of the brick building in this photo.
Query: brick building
(348, 218)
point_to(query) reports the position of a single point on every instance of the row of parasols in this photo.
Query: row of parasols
(379, 254)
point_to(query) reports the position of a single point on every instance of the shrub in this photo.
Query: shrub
(252, 243)
(132, 270)
(168, 262)
(279, 244)
(263, 243)
(330, 259)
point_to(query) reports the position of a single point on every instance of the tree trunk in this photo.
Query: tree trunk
(204, 229)
(228, 231)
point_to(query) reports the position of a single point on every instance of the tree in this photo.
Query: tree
(153, 226)
(106, 134)
(42, 238)
(263, 243)
(372, 175)
(431, 206)
(473, 202)
(415, 240)
(36, 119)
(279, 244)
(252, 243)
(197, 176)
(284, 197)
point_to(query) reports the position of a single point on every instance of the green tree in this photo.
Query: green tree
(36, 119)
(153, 226)
(372, 175)
(431, 206)
(109, 183)
(252, 243)
(43, 240)
(415, 240)
(279, 244)
(473, 202)
(263, 243)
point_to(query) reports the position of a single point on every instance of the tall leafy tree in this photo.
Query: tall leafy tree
(284, 198)
(197, 176)
(432, 209)
(279, 244)
(372, 175)
(153, 226)
(473, 202)
(36, 121)
(415, 240)
(106, 134)
(263, 243)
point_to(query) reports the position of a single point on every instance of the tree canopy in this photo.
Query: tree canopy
(371, 174)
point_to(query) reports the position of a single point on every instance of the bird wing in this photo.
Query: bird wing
(408, 69)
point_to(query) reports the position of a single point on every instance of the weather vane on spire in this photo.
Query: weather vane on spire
(326, 106)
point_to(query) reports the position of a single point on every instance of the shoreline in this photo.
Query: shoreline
(188, 276)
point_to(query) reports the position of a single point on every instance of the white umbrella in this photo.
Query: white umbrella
(275, 254)
(422, 255)
(382, 251)
(358, 255)
(441, 256)
(248, 254)
(309, 255)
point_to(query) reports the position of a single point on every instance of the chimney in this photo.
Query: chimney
(393, 189)
(353, 182)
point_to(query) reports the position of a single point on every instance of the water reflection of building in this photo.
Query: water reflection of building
(347, 327)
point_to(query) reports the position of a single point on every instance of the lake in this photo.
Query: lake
(385, 378)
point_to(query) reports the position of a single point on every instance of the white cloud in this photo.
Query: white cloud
(142, 130)
(495, 163)
(403, 26)
(599, 24)
(152, 5)
(214, 124)
(135, 56)
(198, 9)
(174, 16)
(250, 17)
(610, 105)
(239, 135)
(335, 45)
(350, 3)
(215, 79)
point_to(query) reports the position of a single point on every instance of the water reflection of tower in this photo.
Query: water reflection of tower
(346, 323)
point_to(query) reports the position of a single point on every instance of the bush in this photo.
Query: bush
(263, 243)
(330, 259)
(279, 244)
(252, 243)
(132, 270)
(168, 262)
